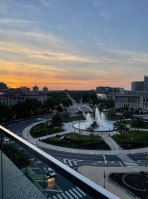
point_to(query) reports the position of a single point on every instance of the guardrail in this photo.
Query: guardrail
(89, 187)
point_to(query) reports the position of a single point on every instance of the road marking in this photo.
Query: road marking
(59, 196)
(54, 197)
(71, 161)
(121, 164)
(75, 162)
(73, 194)
(104, 158)
(64, 195)
(112, 162)
(100, 162)
(69, 195)
(81, 191)
(77, 193)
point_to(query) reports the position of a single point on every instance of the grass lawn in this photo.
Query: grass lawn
(131, 182)
(72, 119)
(132, 140)
(113, 117)
(72, 140)
(44, 129)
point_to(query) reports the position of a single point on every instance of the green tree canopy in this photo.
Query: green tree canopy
(27, 108)
(137, 123)
(4, 112)
(56, 120)
(92, 127)
(121, 126)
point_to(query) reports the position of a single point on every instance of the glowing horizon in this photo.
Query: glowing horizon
(71, 45)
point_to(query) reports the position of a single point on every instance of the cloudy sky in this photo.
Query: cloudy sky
(73, 44)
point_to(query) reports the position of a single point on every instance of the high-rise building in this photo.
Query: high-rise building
(45, 90)
(35, 89)
(107, 90)
(146, 84)
(25, 89)
(137, 86)
(3, 86)
(140, 85)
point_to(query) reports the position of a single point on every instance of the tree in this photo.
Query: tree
(56, 120)
(121, 126)
(128, 114)
(18, 157)
(92, 127)
(107, 103)
(27, 108)
(4, 112)
(137, 123)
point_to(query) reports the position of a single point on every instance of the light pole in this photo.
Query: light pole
(79, 126)
(36, 141)
(146, 160)
(129, 147)
(104, 178)
(2, 182)
(44, 180)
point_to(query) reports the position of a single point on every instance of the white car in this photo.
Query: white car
(51, 172)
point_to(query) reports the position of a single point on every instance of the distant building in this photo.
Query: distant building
(140, 85)
(13, 96)
(146, 84)
(109, 90)
(135, 100)
(3, 86)
(35, 89)
(45, 90)
(25, 89)
(137, 86)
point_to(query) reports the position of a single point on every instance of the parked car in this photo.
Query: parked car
(51, 172)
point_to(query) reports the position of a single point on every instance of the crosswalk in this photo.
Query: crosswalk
(74, 193)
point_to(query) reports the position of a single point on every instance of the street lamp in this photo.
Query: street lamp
(104, 178)
(146, 160)
(2, 180)
(36, 141)
(44, 179)
(129, 147)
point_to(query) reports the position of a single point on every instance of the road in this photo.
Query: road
(76, 160)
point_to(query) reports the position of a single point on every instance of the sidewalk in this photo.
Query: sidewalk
(96, 174)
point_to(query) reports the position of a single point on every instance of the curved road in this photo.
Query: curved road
(75, 160)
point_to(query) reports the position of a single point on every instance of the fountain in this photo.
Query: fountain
(103, 124)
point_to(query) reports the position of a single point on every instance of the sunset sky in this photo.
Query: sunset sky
(73, 44)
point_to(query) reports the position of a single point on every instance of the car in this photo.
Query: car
(51, 172)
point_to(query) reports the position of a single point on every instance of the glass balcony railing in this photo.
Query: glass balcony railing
(28, 172)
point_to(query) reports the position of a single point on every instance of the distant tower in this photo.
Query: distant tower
(45, 90)
(146, 84)
(3, 86)
(137, 86)
(35, 89)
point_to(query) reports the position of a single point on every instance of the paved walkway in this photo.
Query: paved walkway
(96, 174)
(116, 149)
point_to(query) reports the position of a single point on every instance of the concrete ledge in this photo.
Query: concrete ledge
(16, 185)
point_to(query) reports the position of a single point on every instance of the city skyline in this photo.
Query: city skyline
(68, 44)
